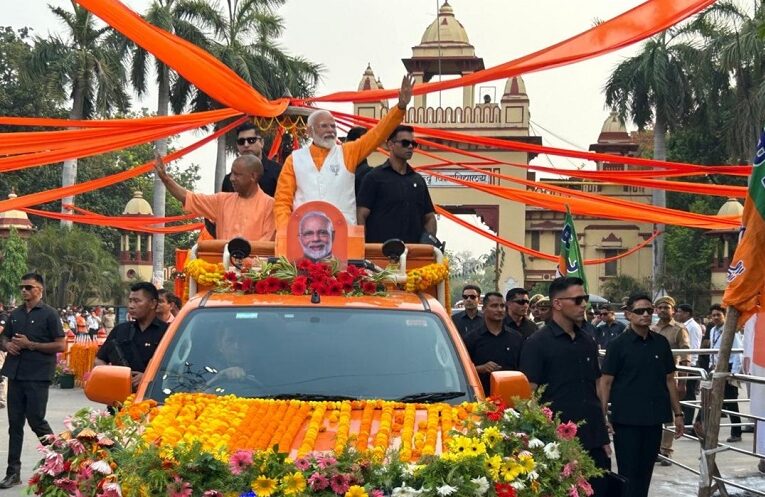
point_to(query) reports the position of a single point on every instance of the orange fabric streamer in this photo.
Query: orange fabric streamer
(119, 222)
(136, 122)
(535, 253)
(588, 207)
(562, 152)
(79, 188)
(277, 143)
(635, 25)
(191, 62)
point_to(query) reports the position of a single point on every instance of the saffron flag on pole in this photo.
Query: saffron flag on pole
(571, 262)
(746, 273)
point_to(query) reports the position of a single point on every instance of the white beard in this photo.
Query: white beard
(324, 142)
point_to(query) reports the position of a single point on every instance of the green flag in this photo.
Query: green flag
(571, 262)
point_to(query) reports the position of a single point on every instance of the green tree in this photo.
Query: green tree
(168, 15)
(13, 266)
(85, 66)
(20, 96)
(466, 269)
(622, 286)
(654, 87)
(244, 39)
(76, 267)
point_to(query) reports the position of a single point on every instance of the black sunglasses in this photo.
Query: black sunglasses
(577, 300)
(642, 310)
(471, 297)
(28, 288)
(407, 143)
(249, 140)
(520, 302)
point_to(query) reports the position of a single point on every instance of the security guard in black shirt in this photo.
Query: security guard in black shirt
(32, 337)
(133, 343)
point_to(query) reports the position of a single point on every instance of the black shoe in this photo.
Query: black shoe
(732, 439)
(11, 481)
(665, 462)
(747, 429)
(761, 465)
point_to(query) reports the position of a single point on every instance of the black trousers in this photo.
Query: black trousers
(27, 402)
(636, 449)
(731, 392)
(602, 461)
(690, 394)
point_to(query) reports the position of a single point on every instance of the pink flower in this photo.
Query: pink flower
(376, 493)
(54, 464)
(66, 484)
(318, 482)
(112, 489)
(85, 473)
(548, 413)
(340, 483)
(324, 461)
(568, 469)
(239, 461)
(584, 485)
(573, 492)
(76, 446)
(566, 431)
(302, 464)
(212, 493)
(179, 488)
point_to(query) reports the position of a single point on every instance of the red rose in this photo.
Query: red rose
(304, 265)
(230, 276)
(299, 286)
(354, 271)
(345, 278)
(494, 415)
(237, 286)
(334, 287)
(261, 287)
(248, 286)
(273, 284)
(504, 490)
(347, 287)
(368, 287)
(320, 288)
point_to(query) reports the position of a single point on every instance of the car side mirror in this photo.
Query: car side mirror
(508, 384)
(109, 385)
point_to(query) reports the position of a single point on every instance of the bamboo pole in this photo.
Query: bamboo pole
(713, 411)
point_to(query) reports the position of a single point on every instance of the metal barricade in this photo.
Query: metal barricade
(701, 404)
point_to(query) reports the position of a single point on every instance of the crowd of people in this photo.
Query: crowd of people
(33, 335)
(632, 392)
(258, 196)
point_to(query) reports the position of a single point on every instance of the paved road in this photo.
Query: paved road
(668, 481)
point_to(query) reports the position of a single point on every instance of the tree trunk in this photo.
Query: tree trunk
(158, 199)
(712, 412)
(659, 200)
(220, 163)
(69, 169)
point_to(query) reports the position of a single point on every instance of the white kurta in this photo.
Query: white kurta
(333, 183)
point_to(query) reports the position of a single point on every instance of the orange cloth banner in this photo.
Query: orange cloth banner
(116, 222)
(191, 62)
(535, 253)
(135, 122)
(562, 152)
(79, 188)
(635, 25)
(588, 207)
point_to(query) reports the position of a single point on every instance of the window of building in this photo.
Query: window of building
(557, 242)
(535, 240)
(611, 267)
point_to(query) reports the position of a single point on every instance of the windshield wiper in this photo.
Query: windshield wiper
(309, 396)
(430, 396)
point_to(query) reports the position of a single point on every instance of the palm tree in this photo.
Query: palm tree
(85, 63)
(654, 87)
(166, 14)
(737, 49)
(244, 33)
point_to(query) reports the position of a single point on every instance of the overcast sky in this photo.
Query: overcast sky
(345, 35)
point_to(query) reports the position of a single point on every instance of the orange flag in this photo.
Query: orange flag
(746, 273)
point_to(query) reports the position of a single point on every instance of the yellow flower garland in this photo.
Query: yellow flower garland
(204, 273)
(422, 278)
(223, 425)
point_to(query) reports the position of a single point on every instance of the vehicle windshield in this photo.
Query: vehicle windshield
(313, 353)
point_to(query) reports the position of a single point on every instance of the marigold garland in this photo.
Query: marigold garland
(421, 278)
(204, 273)
(226, 424)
